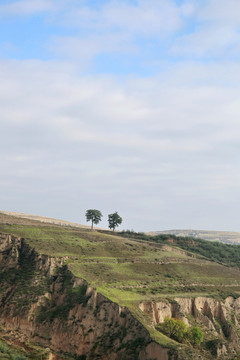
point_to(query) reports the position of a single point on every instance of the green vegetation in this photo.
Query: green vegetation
(9, 353)
(212, 250)
(29, 352)
(128, 271)
(94, 216)
(196, 335)
(114, 220)
(177, 330)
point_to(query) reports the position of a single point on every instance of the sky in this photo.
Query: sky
(122, 105)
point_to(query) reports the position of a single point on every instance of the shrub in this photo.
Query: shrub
(196, 335)
(175, 328)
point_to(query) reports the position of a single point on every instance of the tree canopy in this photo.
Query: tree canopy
(176, 329)
(93, 215)
(114, 220)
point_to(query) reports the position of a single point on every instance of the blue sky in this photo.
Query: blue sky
(145, 37)
(128, 106)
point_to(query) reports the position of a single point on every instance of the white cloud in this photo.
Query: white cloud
(192, 30)
(145, 18)
(156, 143)
(215, 33)
(115, 27)
(135, 114)
(83, 50)
(27, 7)
(122, 27)
(210, 42)
(221, 12)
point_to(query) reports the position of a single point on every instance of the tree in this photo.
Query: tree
(196, 335)
(94, 216)
(114, 220)
(175, 329)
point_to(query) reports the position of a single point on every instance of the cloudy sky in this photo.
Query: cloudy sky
(122, 105)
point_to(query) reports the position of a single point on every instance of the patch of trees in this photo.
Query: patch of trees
(95, 216)
(177, 330)
(213, 250)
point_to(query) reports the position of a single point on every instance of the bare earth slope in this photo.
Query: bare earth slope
(95, 295)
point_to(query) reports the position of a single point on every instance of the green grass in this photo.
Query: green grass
(213, 250)
(123, 266)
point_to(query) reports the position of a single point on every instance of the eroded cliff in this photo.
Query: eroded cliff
(218, 319)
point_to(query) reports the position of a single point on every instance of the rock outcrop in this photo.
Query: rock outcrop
(42, 300)
(219, 319)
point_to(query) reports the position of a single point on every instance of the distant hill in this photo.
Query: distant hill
(223, 236)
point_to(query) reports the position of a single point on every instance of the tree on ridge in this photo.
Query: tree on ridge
(93, 215)
(114, 220)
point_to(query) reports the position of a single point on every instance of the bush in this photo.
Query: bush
(176, 329)
(196, 335)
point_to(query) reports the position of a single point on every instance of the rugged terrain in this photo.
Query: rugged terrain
(75, 293)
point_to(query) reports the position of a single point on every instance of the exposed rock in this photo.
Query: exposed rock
(152, 351)
(220, 318)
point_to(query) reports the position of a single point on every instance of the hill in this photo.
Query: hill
(226, 254)
(150, 277)
(222, 236)
(18, 216)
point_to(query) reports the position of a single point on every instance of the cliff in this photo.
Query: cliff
(218, 319)
(41, 301)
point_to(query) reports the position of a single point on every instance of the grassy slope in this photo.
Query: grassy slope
(129, 271)
(226, 254)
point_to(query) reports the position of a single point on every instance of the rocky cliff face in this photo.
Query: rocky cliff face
(41, 300)
(218, 319)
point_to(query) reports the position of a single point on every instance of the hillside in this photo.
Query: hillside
(225, 254)
(151, 279)
(223, 236)
(43, 219)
